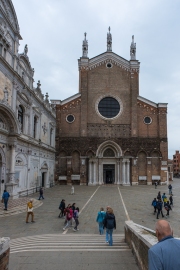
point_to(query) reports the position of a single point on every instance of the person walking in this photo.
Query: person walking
(154, 204)
(76, 218)
(100, 218)
(5, 198)
(164, 254)
(30, 211)
(110, 224)
(107, 236)
(69, 215)
(41, 193)
(167, 207)
(159, 208)
(171, 199)
(170, 189)
(164, 198)
(62, 206)
(159, 195)
(155, 184)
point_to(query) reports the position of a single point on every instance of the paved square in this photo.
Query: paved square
(42, 244)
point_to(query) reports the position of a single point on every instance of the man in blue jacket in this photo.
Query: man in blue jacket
(5, 198)
(164, 254)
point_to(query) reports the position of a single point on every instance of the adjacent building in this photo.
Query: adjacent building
(176, 164)
(27, 119)
(107, 133)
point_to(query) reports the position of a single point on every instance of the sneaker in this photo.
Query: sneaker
(32, 221)
(64, 229)
(74, 230)
(107, 241)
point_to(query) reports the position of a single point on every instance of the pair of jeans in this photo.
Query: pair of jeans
(101, 230)
(69, 222)
(5, 203)
(77, 223)
(41, 196)
(109, 232)
(158, 213)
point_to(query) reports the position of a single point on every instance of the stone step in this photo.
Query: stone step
(70, 242)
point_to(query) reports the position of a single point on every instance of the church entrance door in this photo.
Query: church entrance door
(108, 173)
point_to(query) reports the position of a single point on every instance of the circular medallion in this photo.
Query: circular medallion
(70, 118)
(109, 107)
(147, 120)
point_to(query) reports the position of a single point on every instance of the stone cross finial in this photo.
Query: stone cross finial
(133, 49)
(38, 84)
(26, 49)
(85, 46)
(47, 96)
(109, 41)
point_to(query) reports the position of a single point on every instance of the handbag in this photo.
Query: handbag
(30, 210)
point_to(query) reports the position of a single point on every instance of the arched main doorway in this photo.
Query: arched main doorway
(44, 175)
(109, 166)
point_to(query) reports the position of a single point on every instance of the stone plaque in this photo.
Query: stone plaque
(142, 178)
(63, 177)
(156, 177)
(164, 168)
(75, 177)
(163, 162)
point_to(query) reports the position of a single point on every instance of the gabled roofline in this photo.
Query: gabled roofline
(62, 102)
(110, 54)
(156, 105)
(115, 59)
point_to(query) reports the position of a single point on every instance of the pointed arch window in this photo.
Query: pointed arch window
(35, 127)
(20, 116)
(51, 136)
(1, 49)
(5, 54)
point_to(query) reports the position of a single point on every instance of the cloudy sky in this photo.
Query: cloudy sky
(54, 30)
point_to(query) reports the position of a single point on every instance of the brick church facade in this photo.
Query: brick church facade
(107, 133)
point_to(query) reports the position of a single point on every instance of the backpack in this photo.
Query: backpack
(75, 215)
(110, 223)
(60, 206)
(69, 216)
(158, 206)
(154, 203)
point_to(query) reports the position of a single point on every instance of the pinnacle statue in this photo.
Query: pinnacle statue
(85, 47)
(133, 49)
(109, 41)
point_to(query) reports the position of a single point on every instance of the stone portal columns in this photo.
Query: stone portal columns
(92, 173)
(11, 185)
(94, 182)
(123, 172)
(118, 172)
(12, 163)
(128, 173)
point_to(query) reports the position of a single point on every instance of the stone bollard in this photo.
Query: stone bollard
(4, 253)
(72, 190)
